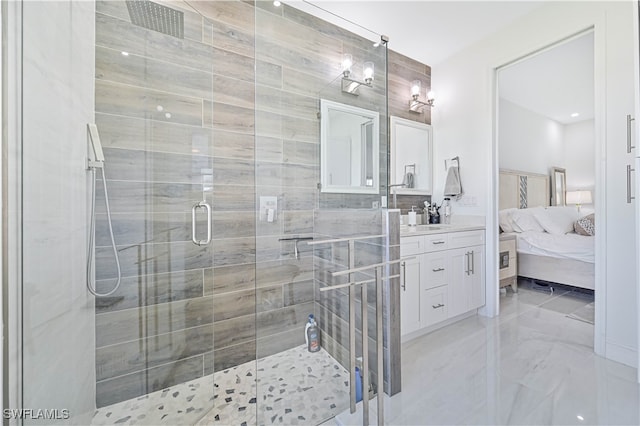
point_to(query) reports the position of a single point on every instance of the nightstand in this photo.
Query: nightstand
(508, 261)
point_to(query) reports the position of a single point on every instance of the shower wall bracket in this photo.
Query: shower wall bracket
(95, 156)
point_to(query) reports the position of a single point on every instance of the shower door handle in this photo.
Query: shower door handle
(207, 207)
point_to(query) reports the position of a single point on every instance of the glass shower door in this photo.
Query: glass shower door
(298, 63)
(153, 98)
(145, 352)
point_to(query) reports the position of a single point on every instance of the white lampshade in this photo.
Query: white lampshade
(367, 71)
(579, 197)
(347, 62)
(415, 88)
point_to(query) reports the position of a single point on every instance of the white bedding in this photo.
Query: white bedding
(567, 246)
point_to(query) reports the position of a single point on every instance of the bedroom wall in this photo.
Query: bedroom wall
(529, 141)
(579, 155)
(464, 126)
(535, 143)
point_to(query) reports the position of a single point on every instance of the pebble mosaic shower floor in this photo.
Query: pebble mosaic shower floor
(294, 387)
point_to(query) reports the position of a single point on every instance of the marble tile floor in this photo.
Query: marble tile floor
(293, 387)
(531, 365)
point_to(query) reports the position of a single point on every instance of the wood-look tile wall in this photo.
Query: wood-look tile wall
(242, 92)
(402, 71)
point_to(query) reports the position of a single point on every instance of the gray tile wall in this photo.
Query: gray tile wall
(402, 71)
(243, 124)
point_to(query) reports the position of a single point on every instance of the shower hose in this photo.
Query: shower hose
(92, 228)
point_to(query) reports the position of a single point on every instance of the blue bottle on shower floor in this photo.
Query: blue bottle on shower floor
(312, 335)
(358, 385)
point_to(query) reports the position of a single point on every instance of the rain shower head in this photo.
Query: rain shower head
(156, 17)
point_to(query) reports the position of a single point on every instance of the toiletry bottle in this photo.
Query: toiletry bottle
(447, 211)
(310, 322)
(313, 335)
(427, 213)
(412, 216)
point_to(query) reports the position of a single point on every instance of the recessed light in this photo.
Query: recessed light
(376, 44)
(575, 114)
(277, 3)
(159, 108)
(580, 417)
(125, 53)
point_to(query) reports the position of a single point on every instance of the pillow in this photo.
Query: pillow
(586, 225)
(557, 220)
(524, 220)
(505, 220)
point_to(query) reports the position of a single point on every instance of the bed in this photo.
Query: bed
(547, 246)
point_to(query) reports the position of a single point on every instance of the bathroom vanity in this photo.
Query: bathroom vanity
(442, 276)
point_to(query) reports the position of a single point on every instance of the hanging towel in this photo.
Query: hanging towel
(453, 186)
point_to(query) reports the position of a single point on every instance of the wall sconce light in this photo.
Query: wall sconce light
(350, 85)
(415, 105)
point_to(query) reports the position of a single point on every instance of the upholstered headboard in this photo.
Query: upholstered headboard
(523, 189)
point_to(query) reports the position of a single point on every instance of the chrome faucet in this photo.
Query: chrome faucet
(395, 195)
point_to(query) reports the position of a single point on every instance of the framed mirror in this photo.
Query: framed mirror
(411, 157)
(349, 149)
(558, 187)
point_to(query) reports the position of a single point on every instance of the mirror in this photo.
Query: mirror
(411, 157)
(558, 187)
(349, 149)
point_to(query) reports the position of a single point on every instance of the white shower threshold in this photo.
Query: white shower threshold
(294, 387)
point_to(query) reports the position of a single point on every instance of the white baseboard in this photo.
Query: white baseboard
(622, 354)
(427, 330)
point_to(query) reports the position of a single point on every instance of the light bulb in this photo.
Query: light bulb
(347, 62)
(431, 95)
(367, 72)
(276, 3)
(416, 85)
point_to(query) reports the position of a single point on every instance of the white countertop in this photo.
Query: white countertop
(410, 231)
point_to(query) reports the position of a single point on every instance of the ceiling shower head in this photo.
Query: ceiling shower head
(156, 17)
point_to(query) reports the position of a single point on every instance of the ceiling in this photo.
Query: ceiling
(428, 31)
(552, 83)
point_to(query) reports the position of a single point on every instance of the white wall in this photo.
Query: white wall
(463, 125)
(529, 141)
(58, 317)
(579, 155)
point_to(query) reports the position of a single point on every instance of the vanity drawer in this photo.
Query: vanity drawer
(411, 245)
(435, 242)
(436, 269)
(434, 306)
(466, 239)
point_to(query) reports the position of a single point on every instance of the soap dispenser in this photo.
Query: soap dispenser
(412, 216)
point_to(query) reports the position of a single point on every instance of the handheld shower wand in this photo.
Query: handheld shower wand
(92, 165)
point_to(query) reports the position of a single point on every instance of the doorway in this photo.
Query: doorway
(545, 130)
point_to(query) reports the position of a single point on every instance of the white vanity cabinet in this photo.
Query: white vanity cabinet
(442, 277)
(466, 287)
(410, 296)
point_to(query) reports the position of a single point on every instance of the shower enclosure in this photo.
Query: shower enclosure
(208, 114)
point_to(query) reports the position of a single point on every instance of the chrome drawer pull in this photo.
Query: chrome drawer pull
(404, 276)
(439, 305)
(438, 270)
(437, 242)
